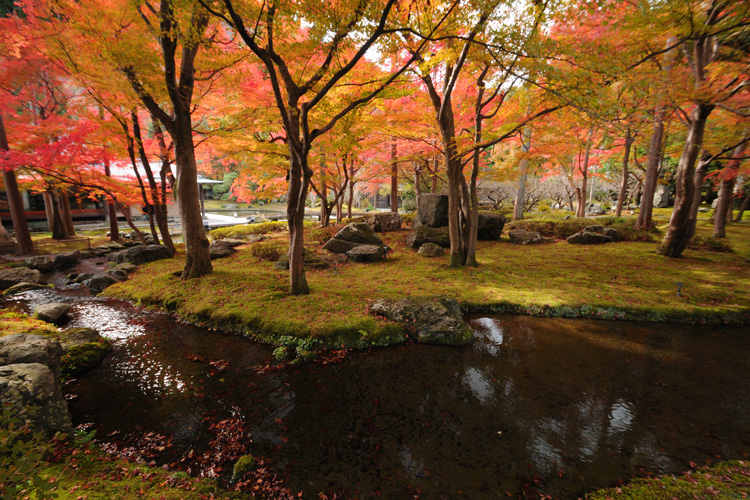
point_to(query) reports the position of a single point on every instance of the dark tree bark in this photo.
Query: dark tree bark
(178, 123)
(394, 177)
(700, 174)
(679, 231)
(581, 194)
(125, 210)
(67, 213)
(723, 213)
(625, 173)
(15, 202)
(114, 230)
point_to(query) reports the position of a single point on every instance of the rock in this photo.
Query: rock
(67, 259)
(703, 210)
(126, 267)
(384, 222)
(141, 254)
(83, 349)
(42, 264)
(661, 196)
(523, 237)
(22, 348)
(433, 210)
(220, 249)
(593, 235)
(351, 236)
(82, 277)
(119, 273)
(33, 384)
(311, 262)
(595, 209)
(235, 242)
(24, 287)
(431, 250)
(335, 245)
(52, 313)
(111, 246)
(16, 275)
(100, 281)
(434, 320)
(426, 234)
(367, 253)
(490, 226)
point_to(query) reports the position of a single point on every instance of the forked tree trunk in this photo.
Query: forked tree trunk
(125, 210)
(520, 200)
(581, 209)
(624, 185)
(15, 202)
(679, 231)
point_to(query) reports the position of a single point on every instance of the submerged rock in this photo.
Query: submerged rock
(100, 281)
(433, 320)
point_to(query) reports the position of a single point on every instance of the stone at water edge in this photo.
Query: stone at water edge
(24, 287)
(67, 259)
(84, 349)
(16, 275)
(432, 320)
(52, 313)
(140, 254)
(23, 348)
(100, 281)
(33, 384)
(41, 263)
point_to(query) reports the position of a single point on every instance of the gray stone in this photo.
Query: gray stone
(126, 266)
(141, 254)
(433, 210)
(220, 249)
(82, 277)
(431, 250)
(100, 281)
(52, 313)
(359, 232)
(234, 242)
(595, 209)
(24, 287)
(384, 222)
(367, 253)
(594, 235)
(67, 259)
(22, 348)
(33, 384)
(490, 226)
(661, 196)
(16, 275)
(42, 264)
(84, 349)
(311, 262)
(426, 234)
(335, 245)
(523, 237)
(119, 273)
(434, 320)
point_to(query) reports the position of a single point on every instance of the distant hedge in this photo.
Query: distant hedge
(561, 228)
(243, 230)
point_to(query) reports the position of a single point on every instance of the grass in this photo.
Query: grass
(13, 322)
(45, 244)
(721, 481)
(625, 280)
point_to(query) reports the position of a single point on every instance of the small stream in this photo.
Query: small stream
(535, 406)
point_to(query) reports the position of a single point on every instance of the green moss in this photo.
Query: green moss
(723, 480)
(81, 358)
(12, 323)
(244, 464)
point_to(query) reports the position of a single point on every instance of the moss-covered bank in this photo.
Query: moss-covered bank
(625, 280)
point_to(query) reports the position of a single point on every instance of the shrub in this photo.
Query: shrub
(711, 244)
(561, 228)
(22, 455)
(323, 234)
(349, 220)
(544, 207)
(269, 250)
(409, 218)
(243, 230)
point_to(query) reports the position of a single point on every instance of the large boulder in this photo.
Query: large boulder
(594, 235)
(15, 275)
(595, 209)
(41, 263)
(523, 237)
(433, 320)
(221, 248)
(141, 254)
(84, 348)
(24, 287)
(490, 226)
(384, 222)
(431, 250)
(433, 210)
(426, 234)
(33, 384)
(661, 196)
(100, 281)
(367, 253)
(67, 259)
(22, 348)
(351, 236)
(52, 313)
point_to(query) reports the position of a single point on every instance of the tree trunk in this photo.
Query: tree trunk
(55, 220)
(114, 230)
(325, 209)
(351, 200)
(394, 177)
(197, 258)
(15, 202)
(625, 173)
(745, 205)
(67, 214)
(125, 210)
(700, 173)
(679, 232)
(723, 212)
(295, 210)
(581, 209)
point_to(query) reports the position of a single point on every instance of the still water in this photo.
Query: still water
(534, 406)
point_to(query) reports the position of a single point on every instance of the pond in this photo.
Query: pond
(534, 406)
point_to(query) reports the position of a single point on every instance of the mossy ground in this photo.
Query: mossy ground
(12, 323)
(625, 280)
(722, 481)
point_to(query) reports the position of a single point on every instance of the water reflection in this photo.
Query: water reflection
(535, 406)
